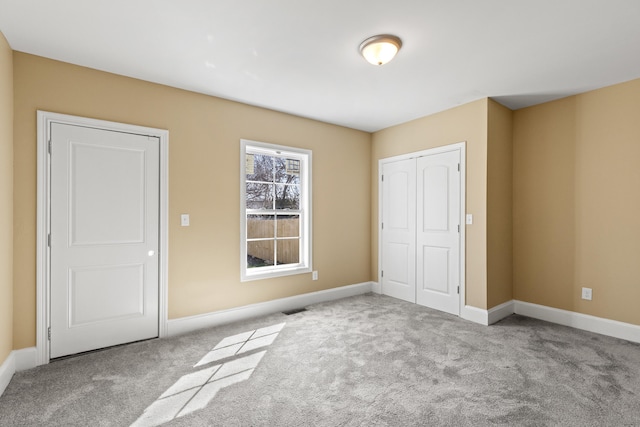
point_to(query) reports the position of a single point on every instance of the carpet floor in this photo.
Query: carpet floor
(368, 360)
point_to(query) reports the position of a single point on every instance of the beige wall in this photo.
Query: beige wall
(553, 191)
(576, 195)
(544, 203)
(204, 149)
(6, 199)
(499, 205)
(465, 123)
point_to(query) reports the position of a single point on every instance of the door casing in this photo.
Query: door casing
(44, 120)
(461, 146)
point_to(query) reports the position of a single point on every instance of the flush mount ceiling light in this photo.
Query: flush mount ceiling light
(380, 49)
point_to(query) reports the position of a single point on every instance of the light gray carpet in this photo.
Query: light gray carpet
(363, 361)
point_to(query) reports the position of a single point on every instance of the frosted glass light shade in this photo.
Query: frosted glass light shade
(378, 50)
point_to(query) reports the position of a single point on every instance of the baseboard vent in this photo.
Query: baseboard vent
(294, 311)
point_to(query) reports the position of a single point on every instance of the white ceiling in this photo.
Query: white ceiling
(301, 56)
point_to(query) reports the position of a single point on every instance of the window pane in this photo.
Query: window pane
(287, 171)
(289, 226)
(259, 167)
(260, 254)
(293, 167)
(259, 196)
(287, 196)
(260, 226)
(288, 251)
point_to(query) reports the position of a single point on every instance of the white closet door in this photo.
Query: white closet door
(398, 230)
(104, 238)
(438, 231)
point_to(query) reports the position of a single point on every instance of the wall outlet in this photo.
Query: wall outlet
(184, 220)
(314, 275)
(587, 293)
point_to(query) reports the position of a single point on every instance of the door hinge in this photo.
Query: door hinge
(458, 228)
(49, 147)
(458, 167)
(458, 289)
(49, 240)
(381, 273)
(382, 224)
(49, 333)
(382, 178)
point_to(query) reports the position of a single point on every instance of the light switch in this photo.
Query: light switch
(184, 220)
(469, 219)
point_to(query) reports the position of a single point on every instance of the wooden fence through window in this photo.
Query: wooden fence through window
(288, 250)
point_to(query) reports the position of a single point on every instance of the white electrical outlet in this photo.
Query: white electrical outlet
(184, 220)
(314, 275)
(587, 294)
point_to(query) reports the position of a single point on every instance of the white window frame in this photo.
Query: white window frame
(305, 264)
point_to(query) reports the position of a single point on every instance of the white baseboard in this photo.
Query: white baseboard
(487, 317)
(7, 369)
(599, 325)
(25, 358)
(192, 323)
(18, 360)
(501, 311)
(376, 287)
(474, 314)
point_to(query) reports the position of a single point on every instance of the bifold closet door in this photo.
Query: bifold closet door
(420, 256)
(399, 230)
(438, 232)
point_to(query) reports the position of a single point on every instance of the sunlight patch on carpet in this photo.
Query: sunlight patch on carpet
(195, 391)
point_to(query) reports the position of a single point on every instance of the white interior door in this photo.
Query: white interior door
(420, 236)
(438, 232)
(104, 238)
(398, 230)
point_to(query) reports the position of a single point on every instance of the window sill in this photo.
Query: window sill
(270, 274)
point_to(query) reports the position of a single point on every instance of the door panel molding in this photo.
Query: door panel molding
(438, 231)
(399, 230)
(461, 147)
(44, 121)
